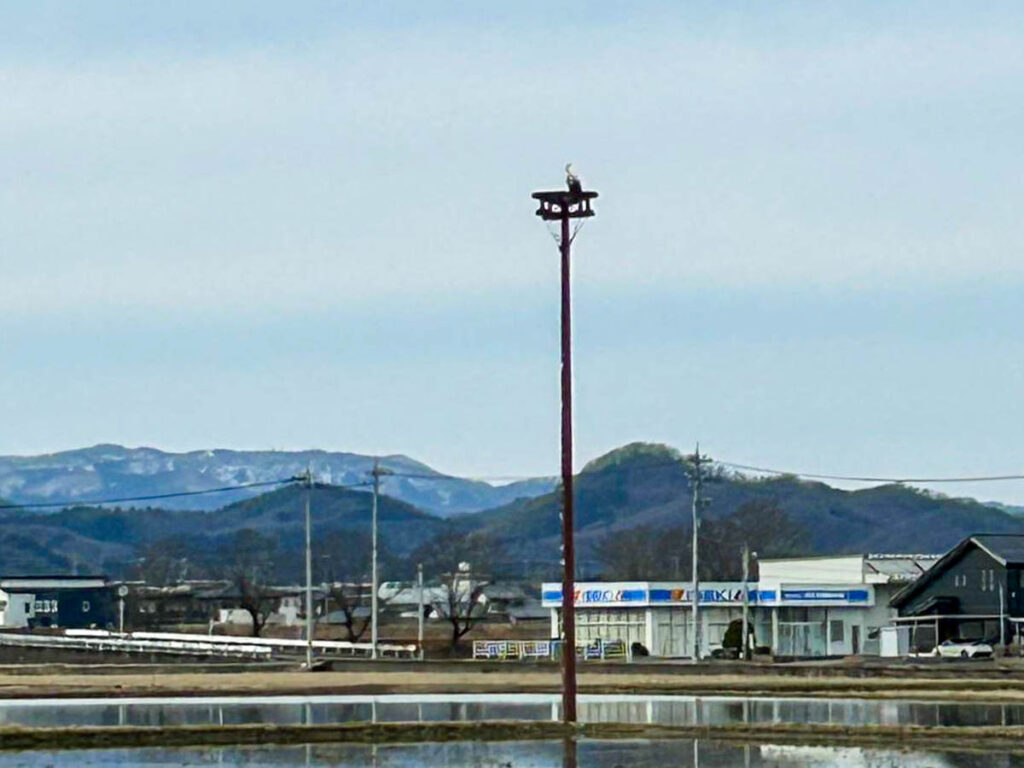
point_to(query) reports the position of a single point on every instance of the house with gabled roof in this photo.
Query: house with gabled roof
(974, 592)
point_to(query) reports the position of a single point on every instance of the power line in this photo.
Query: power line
(681, 463)
(870, 479)
(473, 478)
(151, 497)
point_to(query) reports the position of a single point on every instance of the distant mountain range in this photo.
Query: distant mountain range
(1012, 509)
(108, 471)
(87, 539)
(637, 485)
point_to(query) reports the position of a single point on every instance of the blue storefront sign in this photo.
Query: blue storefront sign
(851, 596)
(642, 594)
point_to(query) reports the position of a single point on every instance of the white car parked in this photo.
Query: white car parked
(963, 649)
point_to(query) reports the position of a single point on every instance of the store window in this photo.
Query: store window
(610, 624)
(836, 630)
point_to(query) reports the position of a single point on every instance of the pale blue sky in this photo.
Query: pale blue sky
(262, 225)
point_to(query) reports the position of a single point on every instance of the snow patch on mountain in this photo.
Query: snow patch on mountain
(115, 471)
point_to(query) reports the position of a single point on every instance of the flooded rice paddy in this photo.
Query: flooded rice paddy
(687, 753)
(637, 709)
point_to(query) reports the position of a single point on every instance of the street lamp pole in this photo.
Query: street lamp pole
(561, 206)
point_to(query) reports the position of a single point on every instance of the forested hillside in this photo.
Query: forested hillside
(633, 517)
(121, 541)
(647, 486)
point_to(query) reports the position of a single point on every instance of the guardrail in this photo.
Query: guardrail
(523, 650)
(509, 650)
(338, 647)
(120, 644)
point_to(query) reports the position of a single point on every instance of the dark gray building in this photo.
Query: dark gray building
(974, 592)
(56, 601)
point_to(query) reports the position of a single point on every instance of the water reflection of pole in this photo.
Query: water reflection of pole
(696, 753)
(568, 752)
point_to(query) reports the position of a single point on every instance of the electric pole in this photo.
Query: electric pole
(697, 481)
(561, 206)
(374, 583)
(746, 601)
(419, 601)
(308, 479)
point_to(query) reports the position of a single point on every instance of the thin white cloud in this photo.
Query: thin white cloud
(282, 176)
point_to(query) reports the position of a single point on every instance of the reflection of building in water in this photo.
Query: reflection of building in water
(859, 757)
(817, 606)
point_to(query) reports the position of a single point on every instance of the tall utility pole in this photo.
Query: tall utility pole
(746, 601)
(561, 206)
(697, 461)
(419, 613)
(309, 573)
(374, 583)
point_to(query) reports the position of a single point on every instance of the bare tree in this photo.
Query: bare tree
(352, 600)
(452, 559)
(344, 557)
(256, 600)
(644, 552)
(461, 603)
(251, 566)
(169, 560)
(657, 553)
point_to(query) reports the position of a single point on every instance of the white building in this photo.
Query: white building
(658, 615)
(819, 606)
(852, 604)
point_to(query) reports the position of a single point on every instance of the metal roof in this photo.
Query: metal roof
(899, 568)
(1005, 547)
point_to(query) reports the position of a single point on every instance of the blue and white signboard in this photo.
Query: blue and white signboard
(641, 594)
(813, 594)
(598, 594)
